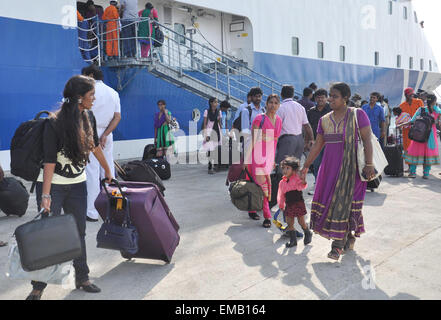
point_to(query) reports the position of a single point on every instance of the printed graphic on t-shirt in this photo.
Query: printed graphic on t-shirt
(66, 168)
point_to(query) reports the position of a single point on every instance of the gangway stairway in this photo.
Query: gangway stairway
(187, 64)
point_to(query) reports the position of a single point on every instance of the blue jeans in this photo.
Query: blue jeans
(128, 45)
(317, 163)
(73, 199)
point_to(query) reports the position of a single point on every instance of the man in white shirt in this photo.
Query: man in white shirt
(129, 14)
(294, 119)
(107, 111)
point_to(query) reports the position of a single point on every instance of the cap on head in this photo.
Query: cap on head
(409, 91)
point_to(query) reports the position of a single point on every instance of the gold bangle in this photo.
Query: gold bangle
(369, 165)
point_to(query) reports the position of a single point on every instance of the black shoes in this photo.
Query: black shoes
(35, 296)
(292, 239)
(91, 288)
(308, 237)
(253, 215)
(91, 220)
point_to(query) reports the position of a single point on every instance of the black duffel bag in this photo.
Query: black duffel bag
(14, 197)
(139, 171)
(161, 167)
(48, 241)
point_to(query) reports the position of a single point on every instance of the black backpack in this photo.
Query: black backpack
(27, 148)
(159, 37)
(237, 124)
(420, 130)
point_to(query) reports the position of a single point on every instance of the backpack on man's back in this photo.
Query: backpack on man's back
(237, 124)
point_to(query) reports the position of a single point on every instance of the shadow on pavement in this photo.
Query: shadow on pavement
(130, 280)
(352, 279)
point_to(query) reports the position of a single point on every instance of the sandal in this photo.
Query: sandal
(267, 223)
(335, 254)
(349, 245)
(254, 216)
(3, 244)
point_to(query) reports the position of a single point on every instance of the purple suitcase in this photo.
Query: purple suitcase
(157, 228)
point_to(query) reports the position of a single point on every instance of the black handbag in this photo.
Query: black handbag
(122, 237)
(48, 241)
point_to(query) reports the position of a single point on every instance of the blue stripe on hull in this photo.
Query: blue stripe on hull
(363, 79)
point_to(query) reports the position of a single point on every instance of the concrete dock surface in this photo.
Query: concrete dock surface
(224, 255)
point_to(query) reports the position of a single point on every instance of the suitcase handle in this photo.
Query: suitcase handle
(116, 183)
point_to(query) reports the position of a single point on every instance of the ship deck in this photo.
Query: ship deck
(224, 255)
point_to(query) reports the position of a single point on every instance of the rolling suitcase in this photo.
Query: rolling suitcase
(161, 167)
(139, 171)
(14, 197)
(394, 156)
(157, 228)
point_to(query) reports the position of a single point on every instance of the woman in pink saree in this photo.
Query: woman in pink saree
(260, 158)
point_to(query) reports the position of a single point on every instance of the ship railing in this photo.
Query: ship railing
(88, 40)
(181, 53)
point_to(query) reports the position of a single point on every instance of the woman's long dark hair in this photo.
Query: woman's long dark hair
(74, 125)
(431, 99)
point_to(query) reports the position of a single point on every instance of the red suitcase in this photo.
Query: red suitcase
(157, 228)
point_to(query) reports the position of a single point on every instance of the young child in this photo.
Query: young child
(290, 200)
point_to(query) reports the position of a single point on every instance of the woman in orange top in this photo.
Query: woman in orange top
(111, 13)
(410, 106)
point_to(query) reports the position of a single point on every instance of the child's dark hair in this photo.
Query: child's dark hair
(292, 162)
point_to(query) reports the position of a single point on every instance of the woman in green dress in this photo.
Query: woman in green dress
(163, 137)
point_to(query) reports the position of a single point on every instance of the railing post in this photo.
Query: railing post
(168, 49)
(179, 59)
(118, 38)
(138, 54)
(228, 80)
(216, 74)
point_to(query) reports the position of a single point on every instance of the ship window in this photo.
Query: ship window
(410, 63)
(377, 58)
(398, 61)
(430, 65)
(180, 29)
(390, 7)
(416, 17)
(405, 12)
(321, 50)
(295, 46)
(422, 64)
(167, 15)
(342, 53)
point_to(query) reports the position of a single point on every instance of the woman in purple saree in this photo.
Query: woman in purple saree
(339, 196)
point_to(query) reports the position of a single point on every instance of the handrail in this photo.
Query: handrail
(185, 55)
(222, 55)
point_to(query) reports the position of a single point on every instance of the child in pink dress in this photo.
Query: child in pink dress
(290, 200)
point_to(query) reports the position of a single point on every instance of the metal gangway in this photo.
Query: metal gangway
(179, 59)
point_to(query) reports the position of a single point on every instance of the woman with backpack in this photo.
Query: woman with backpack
(69, 137)
(424, 153)
(260, 157)
(211, 131)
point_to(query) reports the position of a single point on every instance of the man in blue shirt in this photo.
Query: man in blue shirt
(375, 112)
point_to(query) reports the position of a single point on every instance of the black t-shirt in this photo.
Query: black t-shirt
(314, 116)
(53, 147)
